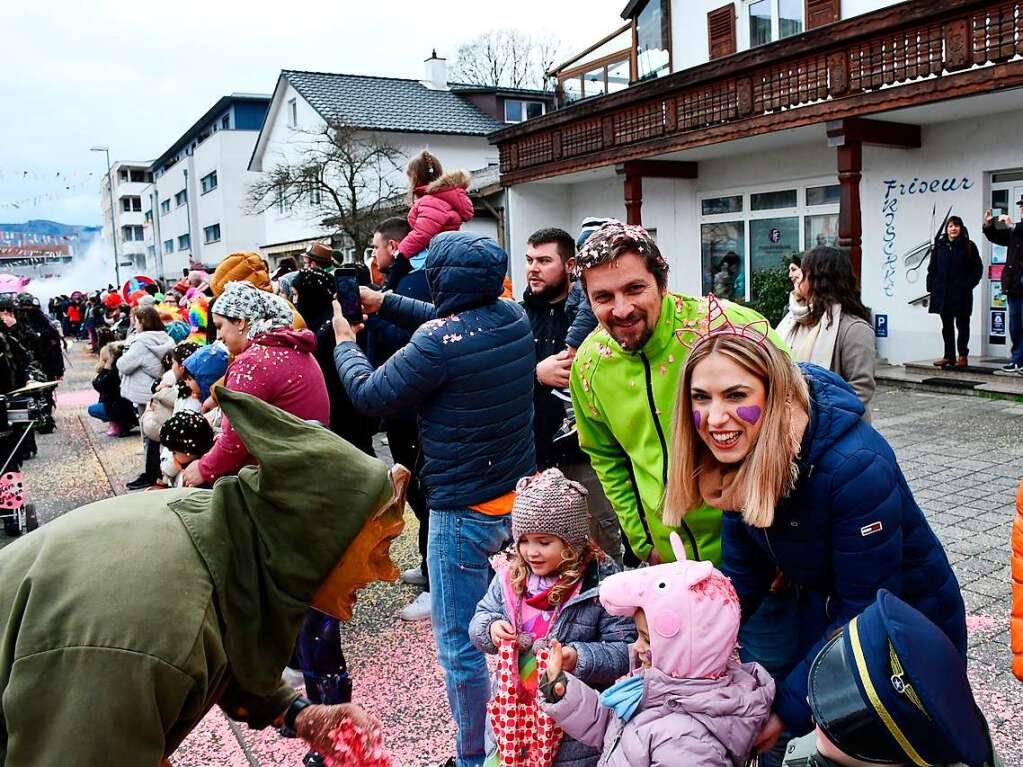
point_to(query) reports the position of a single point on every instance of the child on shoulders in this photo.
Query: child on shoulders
(547, 591)
(687, 700)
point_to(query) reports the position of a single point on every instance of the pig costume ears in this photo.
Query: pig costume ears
(691, 610)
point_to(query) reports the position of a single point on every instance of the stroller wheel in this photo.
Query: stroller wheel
(11, 527)
(31, 519)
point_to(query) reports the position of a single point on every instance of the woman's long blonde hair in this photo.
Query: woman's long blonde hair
(769, 471)
(570, 571)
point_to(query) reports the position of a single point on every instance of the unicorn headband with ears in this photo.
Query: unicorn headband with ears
(713, 322)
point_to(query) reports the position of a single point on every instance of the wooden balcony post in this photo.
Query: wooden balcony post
(633, 198)
(850, 223)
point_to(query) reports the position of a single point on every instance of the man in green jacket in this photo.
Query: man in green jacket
(123, 622)
(624, 383)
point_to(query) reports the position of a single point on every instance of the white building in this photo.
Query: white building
(128, 182)
(765, 127)
(195, 211)
(450, 120)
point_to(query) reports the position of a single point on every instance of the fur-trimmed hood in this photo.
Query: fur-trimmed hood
(456, 179)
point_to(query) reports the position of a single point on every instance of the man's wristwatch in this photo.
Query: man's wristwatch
(287, 730)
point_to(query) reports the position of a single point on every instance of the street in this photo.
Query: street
(962, 456)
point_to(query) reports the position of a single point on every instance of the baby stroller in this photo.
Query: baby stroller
(21, 413)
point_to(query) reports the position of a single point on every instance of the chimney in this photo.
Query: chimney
(435, 73)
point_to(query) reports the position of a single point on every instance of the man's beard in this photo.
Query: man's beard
(552, 291)
(629, 341)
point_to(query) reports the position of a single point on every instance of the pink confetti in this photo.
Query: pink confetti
(353, 745)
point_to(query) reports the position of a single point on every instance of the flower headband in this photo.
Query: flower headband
(608, 242)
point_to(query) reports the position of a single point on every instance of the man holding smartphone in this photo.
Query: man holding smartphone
(1002, 231)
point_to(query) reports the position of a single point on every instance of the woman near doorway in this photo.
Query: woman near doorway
(808, 490)
(953, 272)
(827, 324)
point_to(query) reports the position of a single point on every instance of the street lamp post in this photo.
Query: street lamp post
(113, 222)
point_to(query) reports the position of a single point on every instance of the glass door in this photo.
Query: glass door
(1006, 191)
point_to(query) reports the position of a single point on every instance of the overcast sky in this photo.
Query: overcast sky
(136, 75)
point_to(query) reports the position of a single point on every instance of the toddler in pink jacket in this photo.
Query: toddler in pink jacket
(441, 204)
(688, 701)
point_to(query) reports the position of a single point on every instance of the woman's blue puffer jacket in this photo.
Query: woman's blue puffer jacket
(467, 370)
(849, 528)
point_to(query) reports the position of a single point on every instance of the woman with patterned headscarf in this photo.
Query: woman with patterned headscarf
(313, 290)
(272, 361)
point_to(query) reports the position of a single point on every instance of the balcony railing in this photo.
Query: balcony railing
(862, 61)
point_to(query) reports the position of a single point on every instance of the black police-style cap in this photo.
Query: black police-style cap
(892, 689)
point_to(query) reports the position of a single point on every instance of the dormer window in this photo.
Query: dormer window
(517, 110)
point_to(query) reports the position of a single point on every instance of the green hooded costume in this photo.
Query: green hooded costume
(123, 622)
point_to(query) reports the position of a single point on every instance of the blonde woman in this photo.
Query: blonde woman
(808, 490)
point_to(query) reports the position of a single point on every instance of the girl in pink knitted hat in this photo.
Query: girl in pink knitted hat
(547, 592)
(687, 701)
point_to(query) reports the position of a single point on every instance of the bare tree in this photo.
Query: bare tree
(506, 57)
(342, 176)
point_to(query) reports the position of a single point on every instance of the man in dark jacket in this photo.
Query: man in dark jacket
(386, 338)
(550, 257)
(1004, 232)
(468, 372)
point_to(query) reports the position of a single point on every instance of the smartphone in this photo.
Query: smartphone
(346, 286)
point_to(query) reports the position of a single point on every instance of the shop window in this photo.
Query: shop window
(773, 200)
(820, 231)
(715, 205)
(721, 243)
(653, 40)
(823, 195)
(772, 241)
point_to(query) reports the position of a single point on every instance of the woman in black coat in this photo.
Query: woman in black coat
(954, 271)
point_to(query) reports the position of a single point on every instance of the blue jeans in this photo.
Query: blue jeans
(1015, 311)
(97, 410)
(457, 555)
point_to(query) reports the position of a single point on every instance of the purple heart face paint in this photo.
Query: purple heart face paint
(696, 419)
(750, 414)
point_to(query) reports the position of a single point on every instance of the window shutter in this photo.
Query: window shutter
(721, 31)
(821, 12)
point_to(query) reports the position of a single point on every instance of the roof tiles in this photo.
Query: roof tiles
(390, 104)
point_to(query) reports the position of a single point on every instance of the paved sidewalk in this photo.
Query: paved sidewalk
(963, 457)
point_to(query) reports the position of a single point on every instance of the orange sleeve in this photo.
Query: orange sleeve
(1017, 588)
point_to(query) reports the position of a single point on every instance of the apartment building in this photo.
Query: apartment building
(128, 182)
(194, 209)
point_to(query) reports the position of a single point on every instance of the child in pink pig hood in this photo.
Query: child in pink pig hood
(688, 701)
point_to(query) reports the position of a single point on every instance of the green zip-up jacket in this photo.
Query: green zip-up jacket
(624, 403)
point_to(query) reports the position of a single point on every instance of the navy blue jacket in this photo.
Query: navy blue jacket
(849, 528)
(468, 370)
